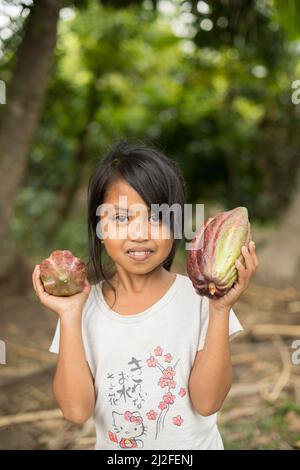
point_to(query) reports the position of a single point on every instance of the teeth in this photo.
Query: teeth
(139, 253)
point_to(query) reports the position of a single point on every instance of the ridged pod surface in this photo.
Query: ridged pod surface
(62, 273)
(215, 249)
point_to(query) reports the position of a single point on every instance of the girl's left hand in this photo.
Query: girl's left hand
(244, 276)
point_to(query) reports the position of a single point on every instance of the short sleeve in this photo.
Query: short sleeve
(54, 347)
(234, 325)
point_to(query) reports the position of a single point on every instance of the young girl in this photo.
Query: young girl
(139, 349)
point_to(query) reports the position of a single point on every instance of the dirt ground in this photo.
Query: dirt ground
(262, 410)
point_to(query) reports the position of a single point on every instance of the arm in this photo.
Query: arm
(73, 385)
(211, 376)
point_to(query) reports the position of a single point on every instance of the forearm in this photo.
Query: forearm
(73, 385)
(211, 377)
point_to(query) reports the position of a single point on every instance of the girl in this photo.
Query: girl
(139, 349)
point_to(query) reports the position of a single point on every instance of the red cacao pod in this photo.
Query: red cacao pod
(63, 274)
(214, 251)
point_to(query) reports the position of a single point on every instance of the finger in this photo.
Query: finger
(253, 253)
(34, 279)
(240, 267)
(248, 259)
(39, 285)
(242, 272)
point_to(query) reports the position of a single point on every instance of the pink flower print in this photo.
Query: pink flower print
(182, 392)
(162, 405)
(169, 373)
(169, 398)
(152, 361)
(163, 382)
(168, 357)
(151, 414)
(172, 384)
(158, 351)
(177, 420)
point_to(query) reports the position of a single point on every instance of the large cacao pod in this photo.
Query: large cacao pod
(214, 251)
(62, 274)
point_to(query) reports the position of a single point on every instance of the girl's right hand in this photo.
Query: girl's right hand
(61, 305)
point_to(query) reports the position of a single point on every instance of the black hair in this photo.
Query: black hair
(148, 171)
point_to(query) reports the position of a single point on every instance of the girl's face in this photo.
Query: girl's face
(126, 229)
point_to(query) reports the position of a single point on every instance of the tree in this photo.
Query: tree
(25, 98)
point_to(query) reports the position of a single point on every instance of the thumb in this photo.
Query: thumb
(87, 287)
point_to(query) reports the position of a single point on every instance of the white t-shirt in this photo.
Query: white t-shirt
(141, 365)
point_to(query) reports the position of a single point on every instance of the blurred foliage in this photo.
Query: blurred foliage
(207, 82)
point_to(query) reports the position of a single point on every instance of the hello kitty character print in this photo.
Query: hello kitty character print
(129, 426)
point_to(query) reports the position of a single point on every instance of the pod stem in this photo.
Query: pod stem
(212, 288)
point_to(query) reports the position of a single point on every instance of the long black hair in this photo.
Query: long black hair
(154, 176)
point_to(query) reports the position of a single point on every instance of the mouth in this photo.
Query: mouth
(139, 255)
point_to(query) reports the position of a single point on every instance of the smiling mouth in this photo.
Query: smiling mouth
(139, 251)
(139, 255)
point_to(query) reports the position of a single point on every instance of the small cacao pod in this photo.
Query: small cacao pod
(62, 274)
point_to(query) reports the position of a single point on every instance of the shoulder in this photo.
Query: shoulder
(185, 280)
(187, 284)
(188, 293)
(90, 302)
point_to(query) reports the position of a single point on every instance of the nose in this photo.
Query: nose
(139, 229)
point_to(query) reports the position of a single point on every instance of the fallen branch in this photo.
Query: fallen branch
(275, 329)
(241, 390)
(294, 307)
(23, 376)
(285, 372)
(21, 418)
(237, 413)
(86, 442)
(27, 351)
(244, 358)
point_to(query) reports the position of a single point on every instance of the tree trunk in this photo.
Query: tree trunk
(21, 113)
(80, 159)
(280, 259)
(69, 195)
